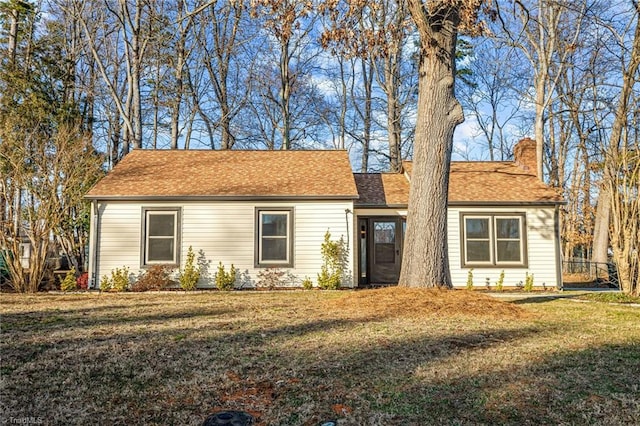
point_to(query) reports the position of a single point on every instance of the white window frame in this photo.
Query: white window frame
(260, 261)
(148, 212)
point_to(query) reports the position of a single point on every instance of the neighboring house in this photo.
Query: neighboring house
(261, 209)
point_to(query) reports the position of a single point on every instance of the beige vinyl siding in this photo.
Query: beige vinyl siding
(222, 232)
(540, 249)
(118, 246)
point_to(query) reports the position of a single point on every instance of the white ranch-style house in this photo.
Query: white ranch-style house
(266, 209)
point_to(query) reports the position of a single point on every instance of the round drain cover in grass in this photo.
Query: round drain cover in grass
(229, 418)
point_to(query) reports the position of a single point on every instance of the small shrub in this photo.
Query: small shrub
(500, 282)
(327, 280)
(528, 282)
(191, 274)
(119, 280)
(83, 281)
(157, 277)
(69, 282)
(334, 262)
(105, 283)
(271, 278)
(307, 284)
(470, 279)
(226, 280)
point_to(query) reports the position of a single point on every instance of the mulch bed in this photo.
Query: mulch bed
(418, 302)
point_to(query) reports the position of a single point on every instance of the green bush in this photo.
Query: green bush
(190, 275)
(500, 282)
(157, 277)
(226, 280)
(334, 262)
(69, 282)
(470, 279)
(119, 280)
(528, 282)
(105, 283)
(307, 284)
(328, 280)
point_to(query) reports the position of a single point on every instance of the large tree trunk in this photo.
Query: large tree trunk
(426, 262)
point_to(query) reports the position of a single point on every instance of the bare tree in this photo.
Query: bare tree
(622, 169)
(364, 109)
(394, 22)
(547, 32)
(488, 94)
(290, 23)
(221, 42)
(127, 24)
(45, 157)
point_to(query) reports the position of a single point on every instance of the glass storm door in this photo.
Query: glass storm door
(385, 241)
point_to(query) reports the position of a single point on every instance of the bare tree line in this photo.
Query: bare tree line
(267, 74)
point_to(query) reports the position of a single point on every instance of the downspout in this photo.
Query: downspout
(93, 245)
(556, 222)
(352, 256)
(346, 219)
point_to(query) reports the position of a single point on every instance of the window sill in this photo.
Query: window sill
(273, 265)
(495, 266)
(168, 265)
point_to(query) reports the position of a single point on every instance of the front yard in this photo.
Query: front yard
(385, 357)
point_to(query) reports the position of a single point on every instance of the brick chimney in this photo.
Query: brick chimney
(524, 155)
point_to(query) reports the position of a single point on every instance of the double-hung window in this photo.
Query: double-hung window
(274, 241)
(160, 234)
(490, 240)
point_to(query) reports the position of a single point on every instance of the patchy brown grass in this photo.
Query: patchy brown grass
(390, 356)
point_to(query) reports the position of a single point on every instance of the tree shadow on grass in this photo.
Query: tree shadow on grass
(540, 299)
(178, 375)
(69, 319)
(589, 386)
(297, 370)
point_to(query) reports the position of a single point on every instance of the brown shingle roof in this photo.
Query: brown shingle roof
(244, 174)
(382, 189)
(470, 182)
(497, 182)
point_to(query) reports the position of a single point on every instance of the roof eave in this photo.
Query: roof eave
(506, 203)
(380, 206)
(469, 204)
(219, 197)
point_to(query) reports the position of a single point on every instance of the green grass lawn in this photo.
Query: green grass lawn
(385, 357)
